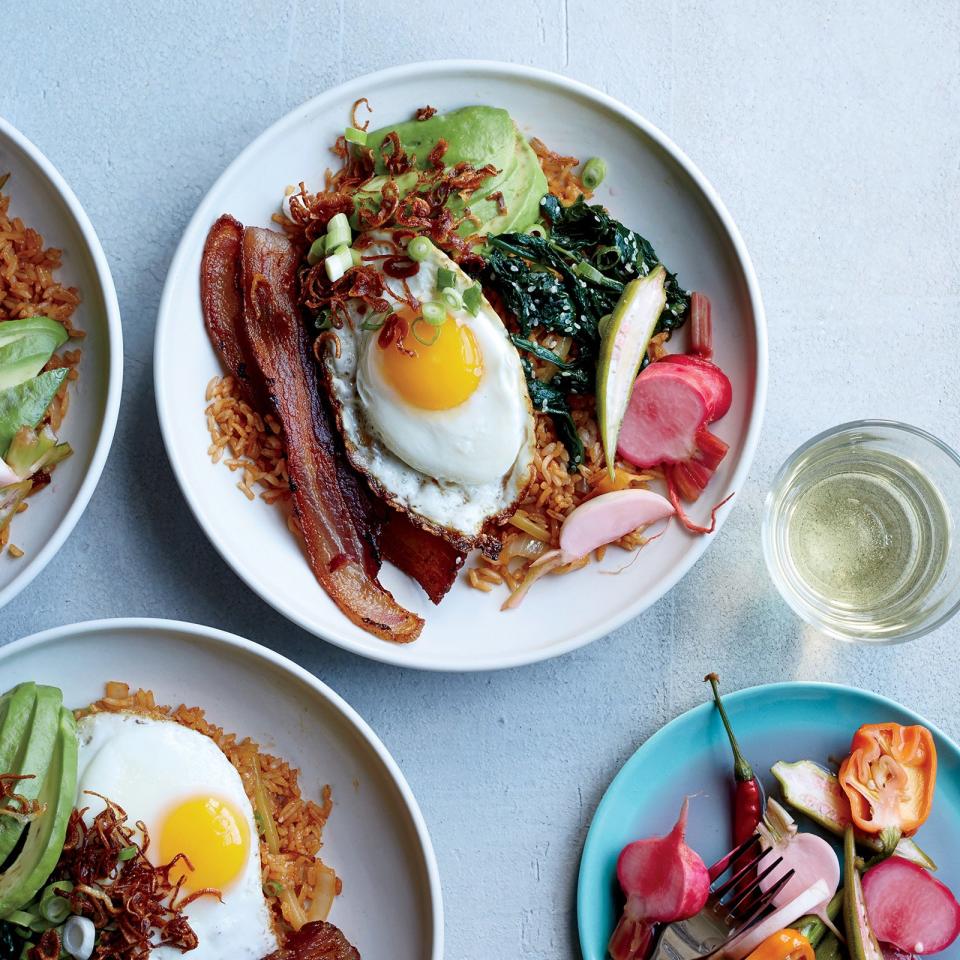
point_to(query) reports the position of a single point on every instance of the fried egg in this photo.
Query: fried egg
(192, 801)
(443, 428)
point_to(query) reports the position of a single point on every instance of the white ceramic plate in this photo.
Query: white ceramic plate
(41, 197)
(375, 838)
(651, 186)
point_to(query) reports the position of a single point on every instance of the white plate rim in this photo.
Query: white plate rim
(108, 425)
(230, 641)
(406, 655)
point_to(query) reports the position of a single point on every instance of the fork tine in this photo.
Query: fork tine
(742, 872)
(724, 862)
(763, 901)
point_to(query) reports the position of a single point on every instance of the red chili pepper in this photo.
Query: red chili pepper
(748, 799)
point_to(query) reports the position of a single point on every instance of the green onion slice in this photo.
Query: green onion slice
(537, 230)
(435, 313)
(20, 917)
(434, 330)
(353, 135)
(584, 269)
(594, 170)
(127, 853)
(445, 278)
(317, 249)
(355, 256)
(472, 297)
(338, 232)
(374, 323)
(452, 298)
(606, 257)
(419, 249)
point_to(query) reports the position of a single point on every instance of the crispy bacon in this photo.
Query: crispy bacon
(429, 559)
(316, 941)
(221, 298)
(274, 342)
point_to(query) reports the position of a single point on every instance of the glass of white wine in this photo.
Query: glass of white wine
(860, 531)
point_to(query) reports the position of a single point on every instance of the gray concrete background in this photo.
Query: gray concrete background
(832, 133)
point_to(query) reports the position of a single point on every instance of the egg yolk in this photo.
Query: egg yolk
(439, 375)
(213, 835)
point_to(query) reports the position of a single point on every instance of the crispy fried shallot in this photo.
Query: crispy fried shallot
(12, 804)
(425, 113)
(133, 904)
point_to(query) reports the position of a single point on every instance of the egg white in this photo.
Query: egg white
(148, 766)
(453, 469)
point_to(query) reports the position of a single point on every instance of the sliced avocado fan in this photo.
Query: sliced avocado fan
(44, 843)
(33, 759)
(16, 706)
(622, 349)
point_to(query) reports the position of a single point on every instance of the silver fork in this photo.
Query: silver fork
(733, 906)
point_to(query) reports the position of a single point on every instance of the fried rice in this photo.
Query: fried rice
(247, 442)
(28, 288)
(297, 884)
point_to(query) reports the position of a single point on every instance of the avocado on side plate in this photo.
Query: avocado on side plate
(26, 347)
(44, 843)
(25, 404)
(33, 759)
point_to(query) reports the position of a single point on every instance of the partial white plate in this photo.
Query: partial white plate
(44, 201)
(375, 838)
(651, 186)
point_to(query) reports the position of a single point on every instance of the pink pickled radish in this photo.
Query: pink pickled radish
(712, 382)
(665, 412)
(909, 908)
(664, 880)
(701, 326)
(609, 517)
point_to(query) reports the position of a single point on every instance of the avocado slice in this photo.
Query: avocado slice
(17, 706)
(33, 759)
(476, 135)
(26, 346)
(25, 404)
(11, 330)
(44, 843)
(33, 450)
(622, 349)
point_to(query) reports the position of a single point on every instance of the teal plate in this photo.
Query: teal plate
(690, 756)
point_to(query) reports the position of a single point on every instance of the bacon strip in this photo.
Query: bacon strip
(317, 940)
(221, 296)
(273, 340)
(429, 559)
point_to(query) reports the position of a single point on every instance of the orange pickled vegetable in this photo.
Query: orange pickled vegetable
(889, 779)
(785, 945)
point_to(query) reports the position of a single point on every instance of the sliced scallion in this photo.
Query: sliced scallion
(435, 313)
(594, 170)
(451, 298)
(355, 256)
(537, 230)
(434, 331)
(419, 249)
(338, 232)
(78, 937)
(472, 297)
(353, 135)
(373, 323)
(445, 278)
(55, 909)
(127, 853)
(584, 269)
(317, 249)
(338, 262)
(21, 918)
(606, 257)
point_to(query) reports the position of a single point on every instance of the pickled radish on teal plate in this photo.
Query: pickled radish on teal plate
(690, 757)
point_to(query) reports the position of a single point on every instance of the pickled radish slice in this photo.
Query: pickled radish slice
(609, 517)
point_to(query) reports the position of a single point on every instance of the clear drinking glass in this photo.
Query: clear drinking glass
(860, 531)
